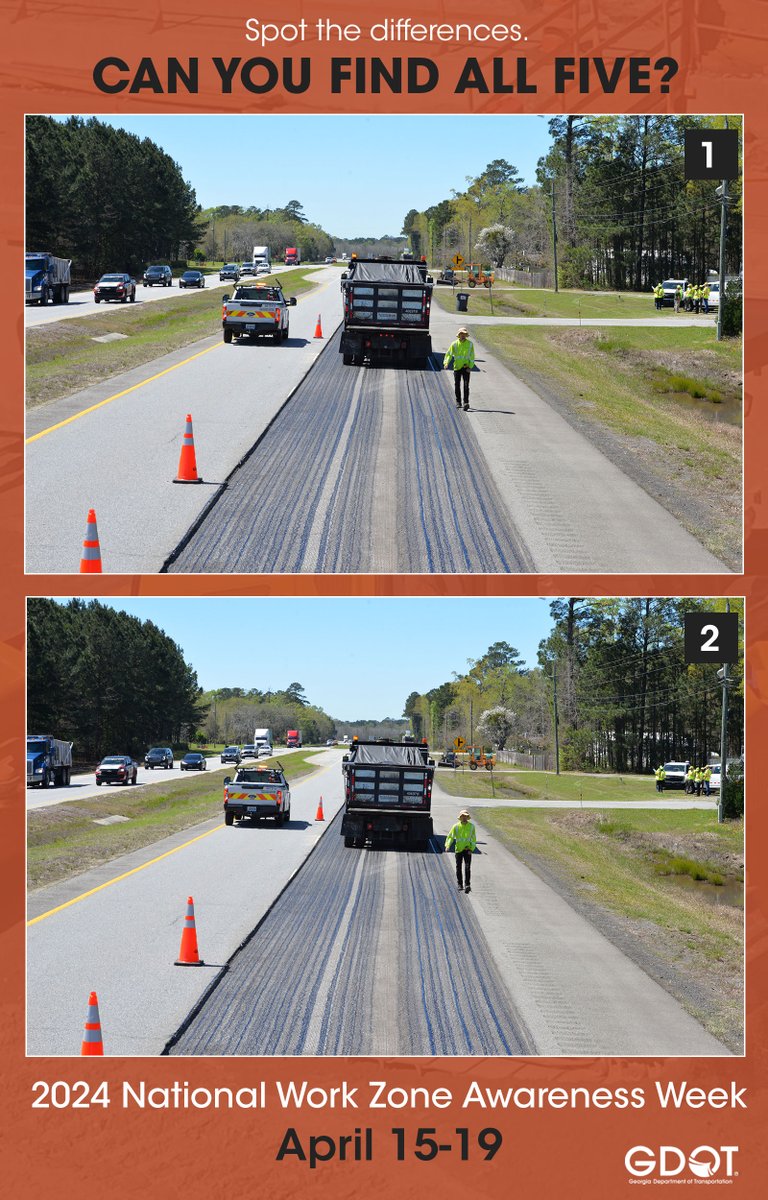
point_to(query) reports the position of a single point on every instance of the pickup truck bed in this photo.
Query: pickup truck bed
(257, 792)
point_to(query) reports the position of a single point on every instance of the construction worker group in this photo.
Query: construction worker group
(697, 780)
(691, 298)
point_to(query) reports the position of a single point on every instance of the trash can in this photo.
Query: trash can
(461, 301)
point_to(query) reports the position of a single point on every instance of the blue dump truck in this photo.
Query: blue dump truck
(49, 761)
(386, 312)
(387, 794)
(46, 278)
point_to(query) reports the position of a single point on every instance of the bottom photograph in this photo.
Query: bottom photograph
(385, 826)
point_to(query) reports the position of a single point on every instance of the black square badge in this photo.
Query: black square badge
(711, 637)
(711, 154)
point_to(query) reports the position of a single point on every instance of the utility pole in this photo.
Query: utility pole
(722, 675)
(554, 708)
(722, 192)
(471, 721)
(554, 233)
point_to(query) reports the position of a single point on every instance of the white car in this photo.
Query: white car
(714, 783)
(714, 302)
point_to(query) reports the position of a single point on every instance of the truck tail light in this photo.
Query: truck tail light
(279, 799)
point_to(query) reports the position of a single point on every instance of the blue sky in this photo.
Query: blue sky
(355, 657)
(355, 175)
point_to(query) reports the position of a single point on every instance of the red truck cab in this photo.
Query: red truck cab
(293, 739)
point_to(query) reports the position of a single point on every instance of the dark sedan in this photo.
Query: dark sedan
(193, 762)
(192, 279)
(115, 287)
(117, 768)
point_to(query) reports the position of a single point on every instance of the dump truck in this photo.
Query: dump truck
(46, 277)
(49, 761)
(387, 794)
(386, 306)
(255, 310)
(257, 792)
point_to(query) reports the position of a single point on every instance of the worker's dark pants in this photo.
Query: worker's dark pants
(659, 785)
(464, 856)
(458, 376)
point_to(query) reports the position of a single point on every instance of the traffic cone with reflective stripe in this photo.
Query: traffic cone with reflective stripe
(187, 461)
(318, 327)
(319, 814)
(90, 561)
(92, 1043)
(188, 954)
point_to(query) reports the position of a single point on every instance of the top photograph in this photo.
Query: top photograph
(427, 345)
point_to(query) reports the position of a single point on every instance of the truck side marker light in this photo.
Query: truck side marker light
(187, 472)
(90, 562)
(188, 953)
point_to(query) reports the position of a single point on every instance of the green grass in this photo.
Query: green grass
(546, 785)
(62, 840)
(534, 302)
(62, 357)
(613, 861)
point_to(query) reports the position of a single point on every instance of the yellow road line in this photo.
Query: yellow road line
(117, 395)
(319, 770)
(125, 875)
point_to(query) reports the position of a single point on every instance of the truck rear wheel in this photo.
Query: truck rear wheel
(227, 336)
(277, 336)
(349, 842)
(347, 360)
(229, 818)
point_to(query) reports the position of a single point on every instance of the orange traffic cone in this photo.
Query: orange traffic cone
(187, 462)
(188, 954)
(92, 1043)
(318, 327)
(90, 561)
(319, 814)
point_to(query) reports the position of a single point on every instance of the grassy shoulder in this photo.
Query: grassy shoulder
(639, 866)
(670, 398)
(508, 781)
(62, 840)
(505, 300)
(62, 356)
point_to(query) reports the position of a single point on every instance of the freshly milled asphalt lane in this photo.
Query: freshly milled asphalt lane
(358, 451)
(367, 952)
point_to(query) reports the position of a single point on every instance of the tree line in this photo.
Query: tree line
(613, 189)
(104, 198)
(232, 714)
(106, 681)
(626, 699)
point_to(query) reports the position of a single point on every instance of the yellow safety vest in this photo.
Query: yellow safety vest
(462, 353)
(463, 836)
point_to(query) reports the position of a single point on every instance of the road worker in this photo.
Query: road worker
(690, 780)
(689, 298)
(678, 297)
(697, 298)
(462, 835)
(699, 780)
(661, 775)
(463, 354)
(705, 298)
(706, 777)
(658, 295)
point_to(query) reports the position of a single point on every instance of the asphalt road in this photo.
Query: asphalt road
(364, 952)
(310, 466)
(82, 304)
(82, 787)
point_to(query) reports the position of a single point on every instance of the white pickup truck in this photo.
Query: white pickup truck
(255, 310)
(257, 792)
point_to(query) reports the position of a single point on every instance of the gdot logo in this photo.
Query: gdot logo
(704, 1161)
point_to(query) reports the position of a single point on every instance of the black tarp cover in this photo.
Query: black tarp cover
(391, 756)
(379, 272)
